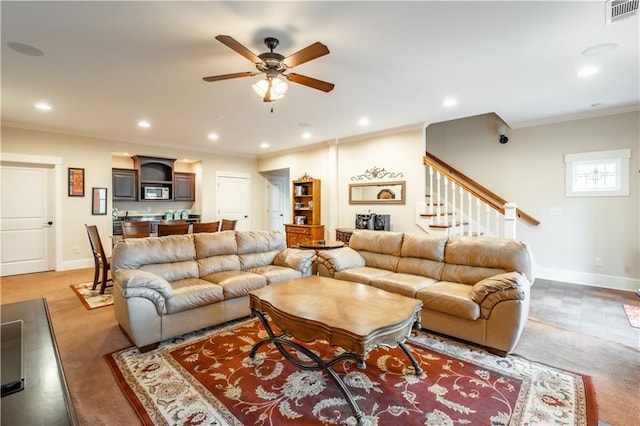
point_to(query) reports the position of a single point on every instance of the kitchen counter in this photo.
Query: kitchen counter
(155, 219)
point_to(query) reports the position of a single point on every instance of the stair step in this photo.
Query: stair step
(434, 214)
(447, 225)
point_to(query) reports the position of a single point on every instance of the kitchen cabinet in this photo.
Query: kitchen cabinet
(184, 185)
(155, 173)
(125, 184)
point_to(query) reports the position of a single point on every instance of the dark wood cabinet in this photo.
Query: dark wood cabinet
(156, 173)
(344, 234)
(184, 186)
(125, 184)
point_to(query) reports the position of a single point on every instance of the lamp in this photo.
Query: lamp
(278, 88)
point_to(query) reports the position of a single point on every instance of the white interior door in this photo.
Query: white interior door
(233, 198)
(277, 193)
(26, 219)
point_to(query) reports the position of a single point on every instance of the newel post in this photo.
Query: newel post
(510, 217)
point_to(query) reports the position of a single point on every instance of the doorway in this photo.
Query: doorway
(278, 199)
(233, 198)
(27, 224)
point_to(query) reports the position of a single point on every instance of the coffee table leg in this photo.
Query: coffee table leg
(320, 364)
(416, 367)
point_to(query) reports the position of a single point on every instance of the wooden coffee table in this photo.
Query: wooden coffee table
(356, 317)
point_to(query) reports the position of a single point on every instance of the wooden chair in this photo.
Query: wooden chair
(206, 227)
(172, 229)
(139, 229)
(101, 262)
(228, 225)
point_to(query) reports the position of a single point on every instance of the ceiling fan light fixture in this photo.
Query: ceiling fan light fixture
(278, 88)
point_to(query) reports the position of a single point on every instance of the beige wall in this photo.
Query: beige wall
(529, 170)
(95, 156)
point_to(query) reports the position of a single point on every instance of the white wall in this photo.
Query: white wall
(529, 170)
(95, 156)
(335, 163)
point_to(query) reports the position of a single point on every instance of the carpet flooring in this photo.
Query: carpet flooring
(209, 377)
(85, 336)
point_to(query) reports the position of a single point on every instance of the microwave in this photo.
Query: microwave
(156, 193)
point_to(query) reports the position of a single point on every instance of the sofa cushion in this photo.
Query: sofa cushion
(404, 284)
(471, 259)
(424, 246)
(259, 241)
(215, 244)
(173, 271)
(275, 274)
(379, 242)
(132, 253)
(363, 275)
(221, 263)
(192, 293)
(490, 291)
(449, 298)
(254, 260)
(236, 283)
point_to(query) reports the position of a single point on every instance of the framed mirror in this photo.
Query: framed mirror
(99, 201)
(377, 193)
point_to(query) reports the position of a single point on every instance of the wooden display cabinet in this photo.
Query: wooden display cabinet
(306, 207)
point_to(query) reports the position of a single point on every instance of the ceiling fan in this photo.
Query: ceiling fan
(274, 65)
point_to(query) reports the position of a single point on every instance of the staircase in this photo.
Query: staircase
(457, 205)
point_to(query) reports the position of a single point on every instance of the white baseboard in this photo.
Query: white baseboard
(76, 264)
(585, 278)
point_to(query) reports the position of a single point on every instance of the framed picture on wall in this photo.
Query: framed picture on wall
(99, 201)
(76, 182)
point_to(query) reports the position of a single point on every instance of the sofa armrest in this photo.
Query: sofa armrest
(332, 261)
(493, 290)
(300, 260)
(135, 278)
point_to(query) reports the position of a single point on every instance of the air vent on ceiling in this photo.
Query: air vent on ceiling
(617, 10)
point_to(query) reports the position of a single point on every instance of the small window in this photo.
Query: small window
(598, 174)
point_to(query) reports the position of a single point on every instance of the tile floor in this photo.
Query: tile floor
(591, 310)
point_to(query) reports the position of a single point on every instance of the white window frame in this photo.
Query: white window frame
(620, 157)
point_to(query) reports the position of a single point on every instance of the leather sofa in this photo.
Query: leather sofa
(171, 285)
(472, 288)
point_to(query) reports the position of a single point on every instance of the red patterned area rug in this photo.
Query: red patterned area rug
(207, 377)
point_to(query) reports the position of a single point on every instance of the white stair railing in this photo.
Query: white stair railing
(445, 211)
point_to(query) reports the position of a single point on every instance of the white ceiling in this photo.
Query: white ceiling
(107, 65)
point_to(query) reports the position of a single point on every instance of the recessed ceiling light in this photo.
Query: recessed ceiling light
(449, 102)
(306, 135)
(213, 136)
(43, 106)
(588, 71)
(599, 49)
(364, 121)
(264, 145)
(144, 124)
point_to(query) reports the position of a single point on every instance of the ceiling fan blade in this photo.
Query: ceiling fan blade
(228, 76)
(232, 43)
(310, 82)
(310, 52)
